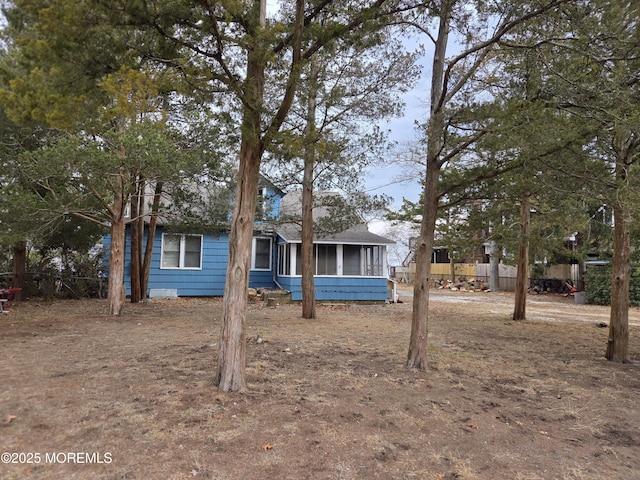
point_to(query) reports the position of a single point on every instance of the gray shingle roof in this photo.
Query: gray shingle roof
(355, 235)
(291, 205)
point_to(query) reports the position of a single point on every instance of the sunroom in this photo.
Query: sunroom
(348, 266)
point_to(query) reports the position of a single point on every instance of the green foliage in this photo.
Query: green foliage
(598, 285)
(66, 274)
(66, 264)
(64, 59)
(349, 211)
(598, 278)
(506, 137)
(346, 89)
(597, 282)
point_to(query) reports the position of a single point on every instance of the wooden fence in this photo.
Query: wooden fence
(480, 272)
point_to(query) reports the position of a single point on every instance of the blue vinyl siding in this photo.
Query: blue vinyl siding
(261, 278)
(340, 288)
(207, 281)
(264, 278)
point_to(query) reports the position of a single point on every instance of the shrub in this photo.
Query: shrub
(598, 285)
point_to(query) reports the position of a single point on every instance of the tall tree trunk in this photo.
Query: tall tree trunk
(19, 277)
(230, 375)
(522, 272)
(417, 355)
(151, 236)
(494, 267)
(308, 261)
(116, 266)
(618, 341)
(116, 294)
(231, 353)
(136, 241)
(140, 200)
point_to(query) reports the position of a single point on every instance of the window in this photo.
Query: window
(261, 256)
(192, 250)
(284, 259)
(351, 263)
(326, 257)
(373, 261)
(367, 260)
(260, 204)
(181, 251)
(355, 260)
(299, 259)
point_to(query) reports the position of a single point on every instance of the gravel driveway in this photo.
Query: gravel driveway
(550, 307)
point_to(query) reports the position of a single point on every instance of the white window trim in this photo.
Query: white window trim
(316, 257)
(182, 252)
(294, 246)
(294, 260)
(283, 260)
(253, 254)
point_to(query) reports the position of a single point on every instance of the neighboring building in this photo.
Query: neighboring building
(350, 265)
(477, 267)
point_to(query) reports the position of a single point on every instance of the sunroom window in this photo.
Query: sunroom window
(355, 260)
(351, 262)
(284, 259)
(326, 257)
(373, 261)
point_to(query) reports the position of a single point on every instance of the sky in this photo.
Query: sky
(396, 180)
(391, 180)
(400, 180)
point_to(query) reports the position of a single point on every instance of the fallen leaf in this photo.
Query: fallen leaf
(11, 418)
(266, 446)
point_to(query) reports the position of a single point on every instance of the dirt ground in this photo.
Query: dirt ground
(86, 396)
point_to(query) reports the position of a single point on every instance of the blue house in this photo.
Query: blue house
(350, 265)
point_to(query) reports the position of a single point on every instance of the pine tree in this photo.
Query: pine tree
(449, 77)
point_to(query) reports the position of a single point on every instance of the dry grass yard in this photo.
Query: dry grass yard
(86, 396)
